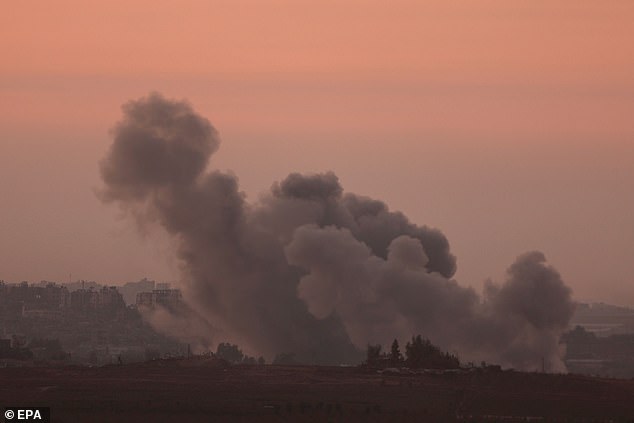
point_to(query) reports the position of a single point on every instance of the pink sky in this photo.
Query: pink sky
(507, 124)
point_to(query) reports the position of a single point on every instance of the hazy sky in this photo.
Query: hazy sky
(509, 125)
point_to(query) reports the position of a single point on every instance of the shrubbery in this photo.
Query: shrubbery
(419, 353)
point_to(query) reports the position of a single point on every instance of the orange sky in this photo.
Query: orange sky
(507, 124)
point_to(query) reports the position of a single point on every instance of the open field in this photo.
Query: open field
(207, 390)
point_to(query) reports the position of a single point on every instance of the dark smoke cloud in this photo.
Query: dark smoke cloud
(157, 144)
(310, 269)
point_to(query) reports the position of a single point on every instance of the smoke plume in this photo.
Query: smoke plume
(311, 269)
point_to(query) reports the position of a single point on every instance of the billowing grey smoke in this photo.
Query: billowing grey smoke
(310, 269)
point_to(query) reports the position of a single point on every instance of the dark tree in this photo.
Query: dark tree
(415, 352)
(229, 352)
(421, 353)
(396, 358)
(249, 360)
(373, 355)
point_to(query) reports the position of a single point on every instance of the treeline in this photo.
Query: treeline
(419, 353)
(233, 354)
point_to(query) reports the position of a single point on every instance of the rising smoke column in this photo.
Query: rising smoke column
(310, 269)
(378, 299)
(235, 270)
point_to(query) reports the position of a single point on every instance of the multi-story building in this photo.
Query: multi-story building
(91, 299)
(23, 299)
(159, 297)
